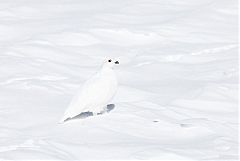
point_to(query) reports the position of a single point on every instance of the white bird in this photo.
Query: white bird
(95, 93)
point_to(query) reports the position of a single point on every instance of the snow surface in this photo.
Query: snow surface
(178, 94)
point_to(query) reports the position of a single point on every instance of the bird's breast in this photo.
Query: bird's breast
(109, 85)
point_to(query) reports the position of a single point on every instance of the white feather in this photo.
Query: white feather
(95, 93)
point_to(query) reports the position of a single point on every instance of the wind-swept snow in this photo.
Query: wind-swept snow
(178, 93)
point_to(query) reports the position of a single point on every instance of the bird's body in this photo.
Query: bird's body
(95, 93)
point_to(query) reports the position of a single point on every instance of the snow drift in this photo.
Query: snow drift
(178, 94)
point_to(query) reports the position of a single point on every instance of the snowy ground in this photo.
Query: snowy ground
(178, 94)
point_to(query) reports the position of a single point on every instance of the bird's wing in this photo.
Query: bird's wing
(92, 95)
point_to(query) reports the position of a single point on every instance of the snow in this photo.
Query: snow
(178, 76)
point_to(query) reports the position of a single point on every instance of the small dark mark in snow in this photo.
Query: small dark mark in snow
(185, 125)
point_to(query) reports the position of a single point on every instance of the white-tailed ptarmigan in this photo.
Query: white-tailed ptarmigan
(95, 93)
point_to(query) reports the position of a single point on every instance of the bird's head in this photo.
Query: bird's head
(110, 63)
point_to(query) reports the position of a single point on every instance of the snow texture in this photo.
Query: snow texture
(178, 79)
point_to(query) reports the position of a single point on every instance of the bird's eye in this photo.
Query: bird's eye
(109, 60)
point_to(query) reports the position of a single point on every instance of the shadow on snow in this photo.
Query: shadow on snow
(84, 115)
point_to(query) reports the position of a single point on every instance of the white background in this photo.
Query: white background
(178, 79)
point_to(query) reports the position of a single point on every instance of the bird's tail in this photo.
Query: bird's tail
(62, 120)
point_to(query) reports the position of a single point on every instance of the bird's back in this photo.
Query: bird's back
(94, 94)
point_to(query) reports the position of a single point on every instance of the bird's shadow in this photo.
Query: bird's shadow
(84, 115)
